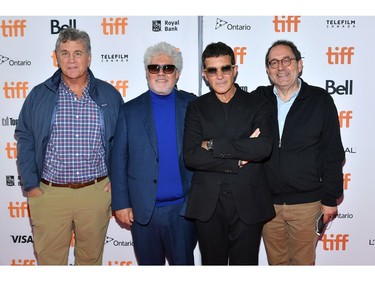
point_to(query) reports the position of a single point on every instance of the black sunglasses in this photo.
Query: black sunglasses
(226, 70)
(155, 68)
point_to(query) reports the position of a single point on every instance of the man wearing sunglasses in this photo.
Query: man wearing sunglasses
(305, 169)
(227, 137)
(150, 182)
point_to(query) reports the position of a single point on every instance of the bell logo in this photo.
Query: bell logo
(56, 28)
(114, 26)
(12, 28)
(286, 24)
(345, 89)
(340, 56)
(240, 53)
(335, 243)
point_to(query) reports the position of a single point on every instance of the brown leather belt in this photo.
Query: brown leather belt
(73, 185)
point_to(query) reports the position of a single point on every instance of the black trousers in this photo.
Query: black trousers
(225, 239)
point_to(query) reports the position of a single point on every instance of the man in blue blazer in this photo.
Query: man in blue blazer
(150, 183)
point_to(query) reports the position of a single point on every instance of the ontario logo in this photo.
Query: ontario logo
(13, 62)
(3, 59)
(230, 26)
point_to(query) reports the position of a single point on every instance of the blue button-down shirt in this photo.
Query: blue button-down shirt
(75, 152)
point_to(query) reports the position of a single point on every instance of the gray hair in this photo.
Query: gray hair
(166, 49)
(72, 34)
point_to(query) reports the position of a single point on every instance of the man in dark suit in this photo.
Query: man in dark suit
(150, 182)
(227, 137)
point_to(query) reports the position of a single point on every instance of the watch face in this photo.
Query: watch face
(210, 144)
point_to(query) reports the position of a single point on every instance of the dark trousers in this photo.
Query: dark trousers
(225, 239)
(168, 236)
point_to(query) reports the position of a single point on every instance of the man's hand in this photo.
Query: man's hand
(125, 216)
(255, 134)
(329, 213)
(107, 187)
(35, 192)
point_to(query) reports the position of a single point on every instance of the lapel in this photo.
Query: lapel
(180, 119)
(147, 116)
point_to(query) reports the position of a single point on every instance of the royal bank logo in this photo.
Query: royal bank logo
(165, 25)
(3, 59)
(156, 25)
(340, 23)
(11, 180)
(114, 58)
(220, 23)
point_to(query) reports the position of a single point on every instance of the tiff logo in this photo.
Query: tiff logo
(340, 56)
(286, 23)
(114, 26)
(18, 210)
(11, 150)
(121, 86)
(240, 53)
(347, 179)
(344, 118)
(13, 28)
(15, 90)
(23, 262)
(335, 243)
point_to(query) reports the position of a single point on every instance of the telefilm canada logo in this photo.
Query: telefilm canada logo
(220, 23)
(114, 58)
(340, 23)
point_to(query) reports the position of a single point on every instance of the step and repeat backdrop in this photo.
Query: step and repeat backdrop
(337, 55)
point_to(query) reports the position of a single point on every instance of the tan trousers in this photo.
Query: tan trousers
(59, 212)
(290, 237)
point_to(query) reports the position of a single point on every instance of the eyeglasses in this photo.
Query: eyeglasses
(212, 71)
(285, 62)
(155, 68)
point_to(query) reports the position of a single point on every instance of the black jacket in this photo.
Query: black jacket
(306, 163)
(205, 119)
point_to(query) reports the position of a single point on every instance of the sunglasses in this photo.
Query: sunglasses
(155, 68)
(226, 70)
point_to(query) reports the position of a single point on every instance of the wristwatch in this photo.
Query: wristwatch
(210, 145)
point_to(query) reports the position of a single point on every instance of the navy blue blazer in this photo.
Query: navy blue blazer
(134, 159)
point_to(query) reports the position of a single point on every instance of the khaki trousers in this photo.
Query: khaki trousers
(290, 237)
(59, 213)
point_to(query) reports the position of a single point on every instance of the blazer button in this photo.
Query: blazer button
(155, 181)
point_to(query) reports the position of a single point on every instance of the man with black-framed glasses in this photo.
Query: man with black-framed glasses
(305, 168)
(150, 182)
(227, 138)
